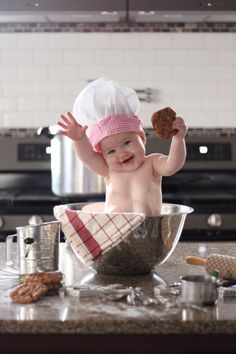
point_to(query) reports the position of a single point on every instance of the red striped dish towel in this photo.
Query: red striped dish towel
(93, 233)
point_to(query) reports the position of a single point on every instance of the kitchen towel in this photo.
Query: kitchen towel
(92, 233)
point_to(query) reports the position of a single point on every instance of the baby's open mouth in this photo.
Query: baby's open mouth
(128, 160)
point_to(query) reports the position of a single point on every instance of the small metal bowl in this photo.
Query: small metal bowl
(199, 290)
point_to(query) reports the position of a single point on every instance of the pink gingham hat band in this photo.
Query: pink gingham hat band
(114, 124)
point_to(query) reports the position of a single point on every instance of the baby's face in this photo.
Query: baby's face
(123, 152)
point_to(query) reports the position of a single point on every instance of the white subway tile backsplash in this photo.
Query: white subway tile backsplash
(217, 72)
(227, 117)
(155, 72)
(79, 56)
(47, 88)
(8, 41)
(155, 56)
(202, 88)
(48, 56)
(227, 56)
(187, 103)
(32, 104)
(218, 40)
(17, 56)
(17, 88)
(63, 72)
(187, 40)
(156, 40)
(63, 40)
(121, 72)
(45, 119)
(125, 40)
(8, 72)
(32, 72)
(95, 40)
(8, 104)
(41, 74)
(187, 72)
(60, 104)
(32, 41)
(17, 120)
(202, 56)
(91, 72)
(167, 87)
(72, 88)
(108, 56)
(225, 88)
(202, 119)
(215, 104)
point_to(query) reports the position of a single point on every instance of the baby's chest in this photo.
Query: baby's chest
(135, 180)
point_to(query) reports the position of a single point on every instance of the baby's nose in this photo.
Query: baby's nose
(122, 153)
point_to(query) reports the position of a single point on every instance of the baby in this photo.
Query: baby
(114, 147)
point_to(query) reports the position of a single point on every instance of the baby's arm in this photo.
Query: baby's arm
(73, 130)
(168, 165)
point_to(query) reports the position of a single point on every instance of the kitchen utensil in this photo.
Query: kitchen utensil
(198, 290)
(9, 278)
(69, 175)
(225, 265)
(144, 247)
(37, 248)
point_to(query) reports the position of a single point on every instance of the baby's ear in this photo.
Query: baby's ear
(144, 139)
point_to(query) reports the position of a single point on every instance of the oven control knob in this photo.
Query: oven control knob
(214, 220)
(2, 222)
(35, 219)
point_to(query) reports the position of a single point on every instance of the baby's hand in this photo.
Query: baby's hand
(71, 128)
(180, 126)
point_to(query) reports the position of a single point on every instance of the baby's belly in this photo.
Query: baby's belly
(146, 206)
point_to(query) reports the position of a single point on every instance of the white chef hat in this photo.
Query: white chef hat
(107, 108)
(102, 98)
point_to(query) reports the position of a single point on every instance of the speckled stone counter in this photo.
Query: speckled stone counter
(66, 324)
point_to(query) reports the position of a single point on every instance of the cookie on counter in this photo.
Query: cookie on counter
(162, 121)
(27, 293)
(46, 278)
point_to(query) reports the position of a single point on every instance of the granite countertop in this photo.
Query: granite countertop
(63, 314)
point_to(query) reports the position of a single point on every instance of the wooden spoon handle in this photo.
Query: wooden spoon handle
(195, 260)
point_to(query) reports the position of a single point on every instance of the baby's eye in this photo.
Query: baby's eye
(110, 152)
(127, 142)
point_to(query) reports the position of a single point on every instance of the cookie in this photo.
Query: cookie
(27, 293)
(46, 278)
(162, 121)
(53, 289)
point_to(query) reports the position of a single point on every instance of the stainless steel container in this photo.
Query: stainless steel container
(199, 290)
(70, 177)
(37, 248)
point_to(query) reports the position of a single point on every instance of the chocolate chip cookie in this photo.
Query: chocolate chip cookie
(46, 278)
(162, 121)
(37, 285)
(27, 293)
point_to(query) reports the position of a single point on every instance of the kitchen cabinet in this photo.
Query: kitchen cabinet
(67, 324)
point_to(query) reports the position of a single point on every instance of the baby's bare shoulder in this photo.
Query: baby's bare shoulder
(152, 157)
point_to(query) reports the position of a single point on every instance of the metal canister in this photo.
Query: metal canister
(37, 248)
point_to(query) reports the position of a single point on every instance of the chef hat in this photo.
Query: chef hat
(107, 108)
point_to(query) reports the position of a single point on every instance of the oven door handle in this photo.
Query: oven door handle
(9, 242)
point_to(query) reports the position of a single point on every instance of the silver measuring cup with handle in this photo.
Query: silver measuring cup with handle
(37, 248)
